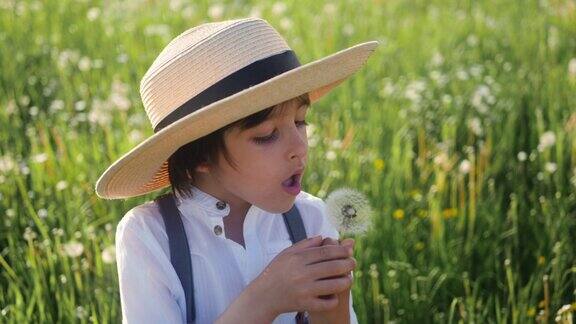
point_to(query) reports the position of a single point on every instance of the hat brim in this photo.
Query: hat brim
(144, 168)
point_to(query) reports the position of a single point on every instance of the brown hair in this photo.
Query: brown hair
(183, 162)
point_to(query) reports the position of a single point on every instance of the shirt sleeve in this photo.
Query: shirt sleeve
(144, 284)
(328, 230)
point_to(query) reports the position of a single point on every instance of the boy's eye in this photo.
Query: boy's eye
(271, 137)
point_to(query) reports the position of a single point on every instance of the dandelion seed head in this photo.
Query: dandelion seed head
(330, 155)
(40, 158)
(522, 156)
(42, 213)
(572, 68)
(109, 254)
(547, 140)
(61, 185)
(279, 8)
(550, 167)
(465, 167)
(93, 13)
(216, 11)
(349, 211)
(73, 249)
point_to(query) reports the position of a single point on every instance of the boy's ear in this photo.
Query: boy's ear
(203, 167)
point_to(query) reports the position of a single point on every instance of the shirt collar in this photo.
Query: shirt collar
(211, 205)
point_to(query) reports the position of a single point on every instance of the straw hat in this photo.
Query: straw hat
(210, 76)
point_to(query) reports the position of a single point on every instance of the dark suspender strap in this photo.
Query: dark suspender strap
(179, 250)
(297, 232)
(294, 225)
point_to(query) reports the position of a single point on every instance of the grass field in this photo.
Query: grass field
(461, 130)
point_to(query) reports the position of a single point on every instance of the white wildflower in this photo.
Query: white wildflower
(330, 8)
(84, 64)
(135, 136)
(61, 185)
(547, 140)
(7, 164)
(80, 105)
(472, 40)
(216, 11)
(57, 232)
(572, 68)
(24, 169)
(522, 156)
(439, 78)
(475, 126)
(109, 254)
(40, 158)
(349, 211)
(176, 5)
(286, 23)
(122, 58)
(42, 213)
(550, 167)
(93, 13)
(81, 312)
(118, 97)
(348, 29)
(29, 234)
(437, 59)
(462, 74)
(33, 111)
(56, 105)
(476, 70)
(330, 155)
(336, 144)
(255, 12)
(278, 8)
(465, 167)
(481, 98)
(414, 91)
(73, 249)
(157, 30)
(442, 160)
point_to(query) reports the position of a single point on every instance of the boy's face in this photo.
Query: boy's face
(265, 156)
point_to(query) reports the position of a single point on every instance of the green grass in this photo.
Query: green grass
(487, 240)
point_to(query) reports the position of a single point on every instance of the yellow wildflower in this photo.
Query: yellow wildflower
(379, 164)
(419, 246)
(398, 214)
(449, 213)
(541, 260)
(531, 312)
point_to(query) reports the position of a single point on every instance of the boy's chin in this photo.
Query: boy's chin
(279, 209)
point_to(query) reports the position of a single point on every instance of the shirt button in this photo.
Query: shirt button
(217, 229)
(220, 205)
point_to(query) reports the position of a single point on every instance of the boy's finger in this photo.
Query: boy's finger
(310, 242)
(329, 241)
(348, 242)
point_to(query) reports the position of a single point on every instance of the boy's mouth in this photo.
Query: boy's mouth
(294, 179)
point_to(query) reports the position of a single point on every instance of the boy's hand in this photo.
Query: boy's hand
(340, 314)
(293, 279)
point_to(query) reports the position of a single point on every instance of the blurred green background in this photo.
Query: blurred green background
(461, 129)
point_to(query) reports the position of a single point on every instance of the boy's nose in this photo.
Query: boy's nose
(298, 147)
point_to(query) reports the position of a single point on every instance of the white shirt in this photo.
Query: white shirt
(150, 290)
